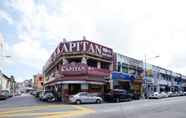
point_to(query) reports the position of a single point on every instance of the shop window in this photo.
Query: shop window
(75, 60)
(105, 65)
(94, 88)
(119, 67)
(124, 68)
(92, 63)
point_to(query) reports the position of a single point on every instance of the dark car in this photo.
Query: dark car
(117, 95)
(47, 96)
(4, 94)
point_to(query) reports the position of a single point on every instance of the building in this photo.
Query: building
(127, 74)
(159, 79)
(7, 83)
(83, 65)
(38, 82)
(77, 66)
(27, 85)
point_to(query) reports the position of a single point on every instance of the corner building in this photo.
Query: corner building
(77, 66)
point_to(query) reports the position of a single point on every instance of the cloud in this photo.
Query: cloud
(4, 15)
(30, 53)
(133, 28)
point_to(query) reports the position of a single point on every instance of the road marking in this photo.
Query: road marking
(26, 111)
(80, 111)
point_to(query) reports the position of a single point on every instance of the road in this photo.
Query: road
(30, 107)
(155, 108)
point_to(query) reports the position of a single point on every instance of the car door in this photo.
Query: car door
(84, 97)
(91, 98)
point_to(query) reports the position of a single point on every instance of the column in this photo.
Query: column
(111, 67)
(84, 60)
(99, 64)
(65, 61)
(65, 93)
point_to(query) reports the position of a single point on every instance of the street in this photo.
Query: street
(162, 108)
(28, 106)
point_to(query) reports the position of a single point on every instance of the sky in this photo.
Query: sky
(31, 29)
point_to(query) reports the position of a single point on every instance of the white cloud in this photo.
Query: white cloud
(30, 53)
(6, 16)
(134, 27)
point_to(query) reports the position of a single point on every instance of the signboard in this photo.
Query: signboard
(80, 47)
(85, 46)
(74, 69)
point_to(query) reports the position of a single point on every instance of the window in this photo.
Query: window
(92, 63)
(105, 65)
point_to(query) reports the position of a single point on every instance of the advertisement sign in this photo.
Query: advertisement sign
(149, 70)
(74, 69)
(80, 47)
(85, 46)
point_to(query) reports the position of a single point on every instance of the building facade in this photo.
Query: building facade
(38, 82)
(77, 66)
(7, 83)
(128, 74)
(82, 65)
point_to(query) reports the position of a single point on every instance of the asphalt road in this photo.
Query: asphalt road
(27, 106)
(30, 107)
(156, 108)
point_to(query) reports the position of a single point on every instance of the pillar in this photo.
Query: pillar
(99, 64)
(65, 61)
(84, 60)
(65, 93)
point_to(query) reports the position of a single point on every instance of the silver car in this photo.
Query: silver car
(85, 97)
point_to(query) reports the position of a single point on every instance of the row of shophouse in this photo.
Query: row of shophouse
(83, 65)
(7, 83)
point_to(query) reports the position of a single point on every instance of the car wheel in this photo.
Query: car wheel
(117, 100)
(98, 101)
(78, 101)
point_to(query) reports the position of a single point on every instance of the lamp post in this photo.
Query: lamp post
(145, 81)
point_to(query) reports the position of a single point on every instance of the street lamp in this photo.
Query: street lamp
(145, 83)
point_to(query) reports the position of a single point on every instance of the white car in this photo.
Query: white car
(155, 95)
(85, 97)
(170, 94)
(163, 95)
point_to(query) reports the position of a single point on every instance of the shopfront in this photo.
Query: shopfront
(122, 80)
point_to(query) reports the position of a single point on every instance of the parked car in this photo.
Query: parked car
(117, 95)
(170, 94)
(181, 93)
(33, 93)
(4, 94)
(85, 97)
(184, 93)
(163, 95)
(47, 96)
(17, 93)
(155, 95)
(38, 94)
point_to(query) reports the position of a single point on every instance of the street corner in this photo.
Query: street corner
(45, 111)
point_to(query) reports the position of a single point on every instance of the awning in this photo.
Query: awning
(122, 76)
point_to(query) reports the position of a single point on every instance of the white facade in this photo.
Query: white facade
(4, 82)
